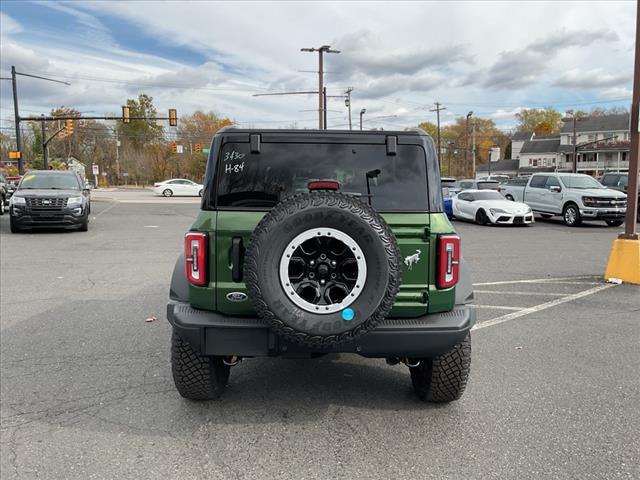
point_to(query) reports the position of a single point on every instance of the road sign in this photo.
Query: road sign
(14, 155)
(205, 150)
(96, 169)
(179, 149)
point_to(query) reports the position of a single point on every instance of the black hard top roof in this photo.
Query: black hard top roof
(298, 131)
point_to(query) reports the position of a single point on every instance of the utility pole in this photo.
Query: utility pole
(45, 155)
(437, 110)
(466, 140)
(362, 112)
(473, 148)
(348, 103)
(321, 106)
(324, 110)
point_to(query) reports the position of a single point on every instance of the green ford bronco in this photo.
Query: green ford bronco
(314, 242)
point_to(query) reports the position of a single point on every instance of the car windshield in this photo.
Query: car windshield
(388, 183)
(580, 181)
(489, 195)
(55, 181)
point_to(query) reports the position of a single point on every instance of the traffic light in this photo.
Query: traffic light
(126, 114)
(198, 147)
(174, 147)
(173, 117)
(68, 125)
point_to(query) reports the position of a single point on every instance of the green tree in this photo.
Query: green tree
(531, 118)
(431, 128)
(139, 133)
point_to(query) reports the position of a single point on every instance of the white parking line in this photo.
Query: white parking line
(504, 292)
(106, 209)
(540, 280)
(537, 308)
(499, 307)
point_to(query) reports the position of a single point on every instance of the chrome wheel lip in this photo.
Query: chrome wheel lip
(353, 295)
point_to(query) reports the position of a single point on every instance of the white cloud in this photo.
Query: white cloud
(399, 58)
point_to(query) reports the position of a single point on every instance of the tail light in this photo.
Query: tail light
(448, 261)
(195, 254)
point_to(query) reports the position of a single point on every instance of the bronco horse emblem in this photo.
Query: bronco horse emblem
(412, 259)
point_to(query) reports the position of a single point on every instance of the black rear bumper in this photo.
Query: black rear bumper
(210, 333)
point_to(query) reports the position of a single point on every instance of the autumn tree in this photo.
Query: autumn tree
(197, 128)
(139, 133)
(548, 119)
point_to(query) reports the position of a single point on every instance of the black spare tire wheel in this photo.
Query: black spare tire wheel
(322, 268)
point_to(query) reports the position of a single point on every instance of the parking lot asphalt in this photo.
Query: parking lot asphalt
(86, 388)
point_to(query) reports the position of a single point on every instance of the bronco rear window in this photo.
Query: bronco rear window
(261, 180)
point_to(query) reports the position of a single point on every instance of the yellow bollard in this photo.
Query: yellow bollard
(624, 261)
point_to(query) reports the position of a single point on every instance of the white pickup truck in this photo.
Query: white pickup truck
(576, 197)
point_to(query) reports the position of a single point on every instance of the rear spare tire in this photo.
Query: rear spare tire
(322, 268)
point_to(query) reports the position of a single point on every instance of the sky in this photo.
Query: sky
(492, 58)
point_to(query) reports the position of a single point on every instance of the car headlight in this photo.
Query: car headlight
(74, 201)
(17, 200)
(497, 210)
(588, 201)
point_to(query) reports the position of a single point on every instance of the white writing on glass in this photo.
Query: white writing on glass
(233, 156)
(235, 168)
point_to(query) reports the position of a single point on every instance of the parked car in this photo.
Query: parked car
(447, 199)
(4, 194)
(294, 253)
(471, 184)
(574, 196)
(178, 187)
(50, 198)
(620, 182)
(450, 183)
(488, 206)
(502, 179)
(12, 184)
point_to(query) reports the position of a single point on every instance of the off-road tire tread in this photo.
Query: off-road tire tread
(444, 378)
(196, 377)
(297, 203)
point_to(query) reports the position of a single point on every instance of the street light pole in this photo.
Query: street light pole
(473, 148)
(362, 112)
(321, 105)
(17, 119)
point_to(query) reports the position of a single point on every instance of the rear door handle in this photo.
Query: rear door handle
(237, 259)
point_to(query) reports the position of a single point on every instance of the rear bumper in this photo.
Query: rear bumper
(210, 333)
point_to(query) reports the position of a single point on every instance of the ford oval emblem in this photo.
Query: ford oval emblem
(236, 296)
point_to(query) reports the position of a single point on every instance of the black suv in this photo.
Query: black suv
(311, 242)
(50, 199)
(620, 182)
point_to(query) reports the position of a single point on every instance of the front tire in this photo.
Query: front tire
(167, 192)
(84, 226)
(444, 378)
(200, 193)
(196, 377)
(13, 225)
(481, 217)
(571, 215)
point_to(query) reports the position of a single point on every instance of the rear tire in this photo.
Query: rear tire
(614, 223)
(200, 193)
(571, 215)
(196, 377)
(444, 378)
(167, 192)
(481, 217)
